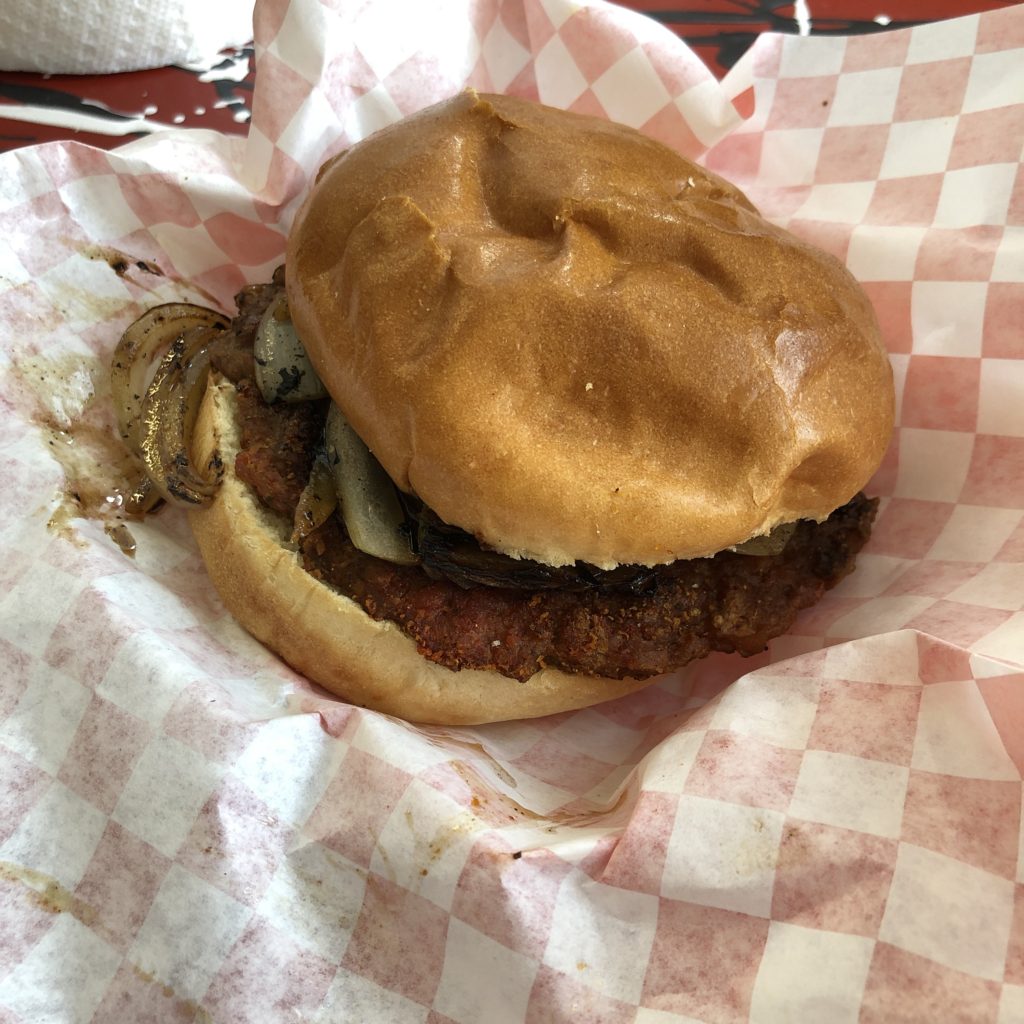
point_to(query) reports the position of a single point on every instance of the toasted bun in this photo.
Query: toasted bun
(330, 639)
(575, 344)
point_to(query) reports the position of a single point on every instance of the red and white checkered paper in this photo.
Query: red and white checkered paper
(829, 832)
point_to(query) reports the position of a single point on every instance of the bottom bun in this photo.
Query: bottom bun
(328, 637)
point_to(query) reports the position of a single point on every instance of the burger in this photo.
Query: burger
(535, 411)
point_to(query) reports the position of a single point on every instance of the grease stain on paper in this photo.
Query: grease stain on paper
(447, 741)
(66, 398)
(47, 893)
(55, 898)
(129, 267)
(69, 399)
(121, 262)
(428, 849)
(758, 854)
(186, 1009)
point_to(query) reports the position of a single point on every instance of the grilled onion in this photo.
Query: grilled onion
(156, 417)
(770, 544)
(449, 552)
(143, 498)
(318, 500)
(139, 348)
(369, 503)
(169, 411)
(283, 370)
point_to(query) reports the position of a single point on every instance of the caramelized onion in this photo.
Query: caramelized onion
(770, 544)
(156, 416)
(369, 502)
(450, 553)
(283, 370)
(169, 411)
(143, 499)
(139, 348)
(318, 500)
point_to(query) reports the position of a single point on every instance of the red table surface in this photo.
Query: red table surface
(719, 30)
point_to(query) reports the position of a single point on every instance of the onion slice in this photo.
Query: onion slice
(318, 500)
(283, 370)
(169, 411)
(144, 498)
(369, 503)
(139, 348)
(770, 544)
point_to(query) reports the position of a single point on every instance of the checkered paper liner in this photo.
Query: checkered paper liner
(830, 831)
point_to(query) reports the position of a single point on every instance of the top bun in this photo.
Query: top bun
(575, 344)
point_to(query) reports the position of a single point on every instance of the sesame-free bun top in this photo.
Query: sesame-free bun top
(576, 344)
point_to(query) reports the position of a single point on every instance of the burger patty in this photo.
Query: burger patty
(729, 603)
(277, 445)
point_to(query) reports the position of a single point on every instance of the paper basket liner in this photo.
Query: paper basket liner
(829, 831)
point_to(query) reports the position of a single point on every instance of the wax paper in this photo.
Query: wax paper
(830, 831)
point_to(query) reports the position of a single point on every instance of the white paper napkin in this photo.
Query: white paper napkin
(102, 36)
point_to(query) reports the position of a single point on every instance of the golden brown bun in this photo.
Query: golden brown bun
(576, 344)
(330, 639)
